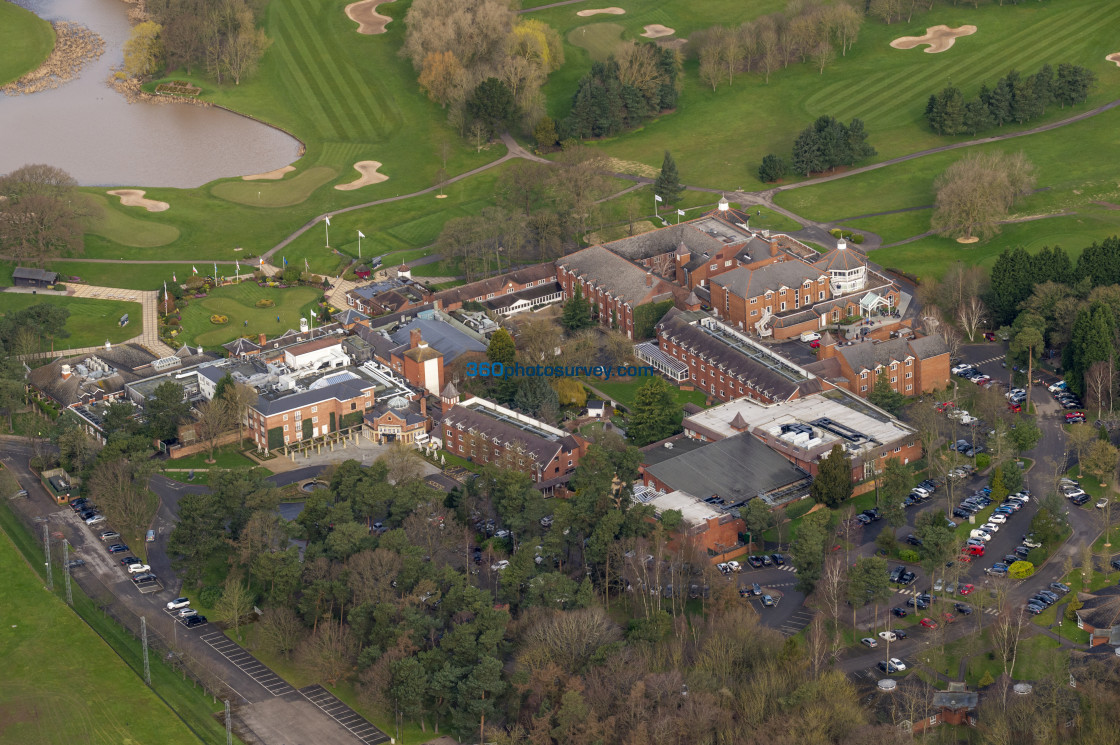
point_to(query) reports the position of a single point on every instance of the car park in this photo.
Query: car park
(109, 535)
(929, 623)
(867, 641)
(178, 603)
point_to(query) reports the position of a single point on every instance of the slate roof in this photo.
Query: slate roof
(614, 274)
(663, 241)
(747, 283)
(1100, 609)
(241, 346)
(350, 316)
(840, 258)
(440, 336)
(674, 327)
(484, 287)
(125, 359)
(736, 468)
(869, 355)
(410, 415)
(38, 275)
(541, 449)
(449, 391)
(343, 391)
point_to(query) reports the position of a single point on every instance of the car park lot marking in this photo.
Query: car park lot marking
(788, 568)
(354, 723)
(796, 622)
(247, 663)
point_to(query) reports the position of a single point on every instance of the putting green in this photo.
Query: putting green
(127, 229)
(601, 40)
(238, 304)
(275, 193)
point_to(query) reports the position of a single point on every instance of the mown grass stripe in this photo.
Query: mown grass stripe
(302, 88)
(323, 90)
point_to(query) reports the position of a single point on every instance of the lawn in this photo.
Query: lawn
(61, 682)
(91, 322)
(887, 88)
(284, 193)
(137, 277)
(238, 303)
(227, 456)
(127, 228)
(26, 39)
(623, 393)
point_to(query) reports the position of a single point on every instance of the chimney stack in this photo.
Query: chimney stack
(423, 405)
(649, 279)
(414, 338)
(774, 246)
(261, 340)
(66, 372)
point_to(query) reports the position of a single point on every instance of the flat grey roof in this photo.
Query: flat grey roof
(737, 469)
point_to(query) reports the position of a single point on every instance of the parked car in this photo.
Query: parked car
(109, 534)
(178, 603)
(754, 561)
(187, 612)
(140, 578)
(990, 527)
(913, 540)
(1030, 542)
(95, 519)
(963, 608)
(889, 636)
(766, 560)
(939, 585)
(867, 641)
(809, 336)
(897, 572)
(997, 519)
(1080, 499)
(967, 589)
(138, 568)
(499, 566)
(75, 563)
(898, 664)
(779, 560)
(1059, 588)
(769, 601)
(1101, 503)
(929, 623)
(917, 603)
(194, 621)
(900, 612)
(117, 548)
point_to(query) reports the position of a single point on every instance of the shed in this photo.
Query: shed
(38, 278)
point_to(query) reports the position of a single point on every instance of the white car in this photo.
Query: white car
(1021, 496)
(1102, 503)
(734, 566)
(888, 636)
(1031, 543)
(503, 564)
(990, 527)
(809, 336)
(898, 664)
(138, 568)
(178, 603)
(1074, 493)
(959, 367)
(95, 520)
(981, 535)
(997, 519)
(1059, 386)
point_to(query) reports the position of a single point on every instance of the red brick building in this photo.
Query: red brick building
(536, 276)
(910, 366)
(288, 419)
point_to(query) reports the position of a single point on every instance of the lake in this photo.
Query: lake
(90, 131)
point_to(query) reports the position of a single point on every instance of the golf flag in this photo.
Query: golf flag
(680, 212)
(262, 262)
(328, 219)
(237, 264)
(657, 198)
(361, 234)
(194, 269)
(285, 261)
(215, 270)
(174, 278)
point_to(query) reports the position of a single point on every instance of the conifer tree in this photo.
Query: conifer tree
(668, 183)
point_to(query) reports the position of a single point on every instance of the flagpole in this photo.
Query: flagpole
(327, 227)
(359, 245)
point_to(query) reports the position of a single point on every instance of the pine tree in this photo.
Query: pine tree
(1023, 105)
(654, 415)
(668, 183)
(773, 168)
(858, 145)
(1011, 284)
(501, 348)
(807, 156)
(833, 482)
(933, 113)
(1043, 84)
(999, 102)
(577, 312)
(977, 117)
(952, 111)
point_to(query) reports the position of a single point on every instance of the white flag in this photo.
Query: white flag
(657, 198)
(680, 212)
(194, 269)
(361, 234)
(328, 219)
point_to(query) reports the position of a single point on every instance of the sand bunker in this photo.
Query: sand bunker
(939, 38)
(135, 198)
(1114, 58)
(270, 175)
(368, 169)
(656, 31)
(365, 14)
(597, 11)
(969, 239)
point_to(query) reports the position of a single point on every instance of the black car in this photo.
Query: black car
(1010, 559)
(928, 484)
(900, 612)
(1022, 551)
(75, 563)
(766, 560)
(194, 621)
(898, 571)
(963, 608)
(1040, 599)
(754, 561)
(87, 514)
(1053, 597)
(863, 519)
(117, 548)
(779, 560)
(917, 603)
(130, 560)
(79, 504)
(1059, 588)
(961, 512)
(913, 540)
(1035, 609)
(908, 578)
(1080, 500)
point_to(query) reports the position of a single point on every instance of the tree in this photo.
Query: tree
(897, 480)
(971, 314)
(328, 654)
(1080, 437)
(196, 536)
(886, 397)
(441, 77)
(214, 420)
(545, 133)
(280, 630)
(655, 414)
(1024, 435)
(120, 488)
(1012, 282)
(143, 52)
(1073, 84)
(868, 582)
(244, 49)
(668, 183)
(1100, 460)
(239, 398)
(408, 689)
(12, 395)
(1028, 340)
(938, 541)
(758, 518)
(824, 54)
(773, 168)
(833, 483)
(807, 551)
(166, 410)
(44, 215)
(807, 156)
(975, 193)
(501, 348)
(235, 604)
(491, 104)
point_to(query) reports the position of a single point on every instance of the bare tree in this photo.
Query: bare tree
(120, 488)
(823, 55)
(972, 315)
(1006, 631)
(280, 630)
(215, 419)
(329, 653)
(404, 463)
(978, 191)
(239, 398)
(235, 604)
(42, 215)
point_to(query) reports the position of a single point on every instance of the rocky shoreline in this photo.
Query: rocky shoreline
(74, 46)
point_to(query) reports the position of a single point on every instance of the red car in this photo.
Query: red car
(964, 558)
(1016, 408)
(929, 623)
(989, 336)
(943, 407)
(949, 617)
(974, 550)
(966, 589)
(815, 344)
(1071, 415)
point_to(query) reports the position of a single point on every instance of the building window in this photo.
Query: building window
(754, 313)
(909, 375)
(863, 389)
(898, 449)
(285, 428)
(353, 406)
(909, 387)
(754, 300)
(285, 417)
(569, 463)
(909, 363)
(314, 409)
(783, 307)
(713, 267)
(894, 379)
(863, 375)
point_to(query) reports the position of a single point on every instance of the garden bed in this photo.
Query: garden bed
(178, 88)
